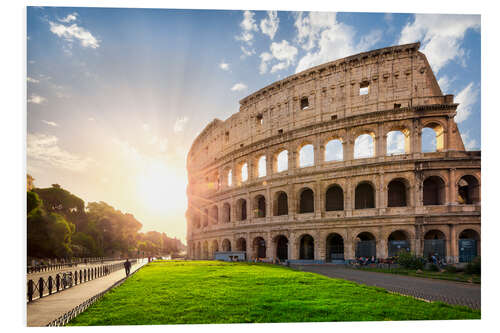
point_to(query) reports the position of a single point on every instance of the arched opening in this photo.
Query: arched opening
(334, 247)
(205, 217)
(397, 242)
(468, 190)
(306, 201)
(364, 196)
(306, 156)
(307, 247)
(198, 251)
(241, 244)
(226, 212)
(396, 193)
(366, 245)
(468, 244)
(364, 146)
(282, 248)
(334, 198)
(260, 206)
(241, 209)
(281, 206)
(196, 221)
(334, 151)
(230, 178)
(434, 191)
(397, 143)
(259, 247)
(214, 215)
(215, 248)
(244, 172)
(282, 161)
(226, 245)
(432, 138)
(434, 244)
(262, 167)
(205, 250)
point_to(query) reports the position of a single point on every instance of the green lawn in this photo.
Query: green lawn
(460, 277)
(202, 292)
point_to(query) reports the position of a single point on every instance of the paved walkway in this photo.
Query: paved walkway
(450, 292)
(43, 310)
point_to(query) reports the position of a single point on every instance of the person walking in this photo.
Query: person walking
(127, 265)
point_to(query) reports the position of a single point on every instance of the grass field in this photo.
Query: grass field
(202, 292)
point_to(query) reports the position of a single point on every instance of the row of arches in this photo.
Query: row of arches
(397, 142)
(365, 245)
(398, 194)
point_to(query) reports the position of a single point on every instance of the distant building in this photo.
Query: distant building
(30, 182)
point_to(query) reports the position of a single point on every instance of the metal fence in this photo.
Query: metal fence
(68, 316)
(73, 263)
(61, 281)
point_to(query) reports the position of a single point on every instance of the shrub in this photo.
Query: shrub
(433, 268)
(410, 261)
(450, 269)
(474, 267)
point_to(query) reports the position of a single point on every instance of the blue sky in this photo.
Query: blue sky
(116, 96)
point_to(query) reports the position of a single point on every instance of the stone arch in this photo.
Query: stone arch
(306, 250)
(334, 247)
(334, 150)
(436, 142)
(196, 220)
(334, 198)
(468, 245)
(435, 243)
(214, 214)
(215, 247)
(228, 177)
(261, 170)
(434, 191)
(205, 250)
(398, 241)
(364, 144)
(281, 242)
(305, 153)
(259, 247)
(397, 193)
(226, 245)
(259, 204)
(398, 141)
(241, 244)
(243, 172)
(306, 200)
(364, 196)
(241, 209)
(198, 251)
(280, 160)
(226, 212)
(366, 245)
(205, 217)
(468, 190)
(280, 203)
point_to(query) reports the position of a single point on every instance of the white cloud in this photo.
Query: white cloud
(72, 32)
(325, 39)
(283, 52)
(246, 52)
(36, 99)
(247, 26)
(395, 143)
(180, 123)
(239, 87)
(441, 36)
(69, 18)
(466, 98)
(224, 66)
(51, 123)
(363, 146)
(31, 62)
(32, 80)
(444, 83)
(44, 150)
(269, 25)
(469, 143)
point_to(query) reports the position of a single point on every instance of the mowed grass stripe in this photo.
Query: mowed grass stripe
(203, 292)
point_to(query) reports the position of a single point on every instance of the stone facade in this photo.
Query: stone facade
(418, 200)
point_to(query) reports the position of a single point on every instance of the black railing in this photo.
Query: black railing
(61, 281)
(74, 263)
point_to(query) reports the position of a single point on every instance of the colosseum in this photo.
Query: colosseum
(306, 170)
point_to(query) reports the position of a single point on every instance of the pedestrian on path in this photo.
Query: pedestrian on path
(127, 265)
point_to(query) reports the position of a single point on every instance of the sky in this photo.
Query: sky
(116, 96)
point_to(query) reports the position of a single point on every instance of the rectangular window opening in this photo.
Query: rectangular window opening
(397, 106)
(334, 117)
(280, 131)
(364, 88)
(260, 119)
(304, 103)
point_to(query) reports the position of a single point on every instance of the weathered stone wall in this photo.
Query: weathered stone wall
(403, 95)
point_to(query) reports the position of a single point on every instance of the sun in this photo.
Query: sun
(161, 189)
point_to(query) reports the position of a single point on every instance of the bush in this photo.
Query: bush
(410, 261)
(433, 268)
(474, 267)
(450, 269)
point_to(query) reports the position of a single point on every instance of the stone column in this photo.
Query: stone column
(381, 142)
(382, 250)
(348, 149)
(348, 202)
(452, 188)
(416, 137)
(454, 253)
(318, 199)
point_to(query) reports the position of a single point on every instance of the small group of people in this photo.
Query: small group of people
(435, 259)
(363, 261)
